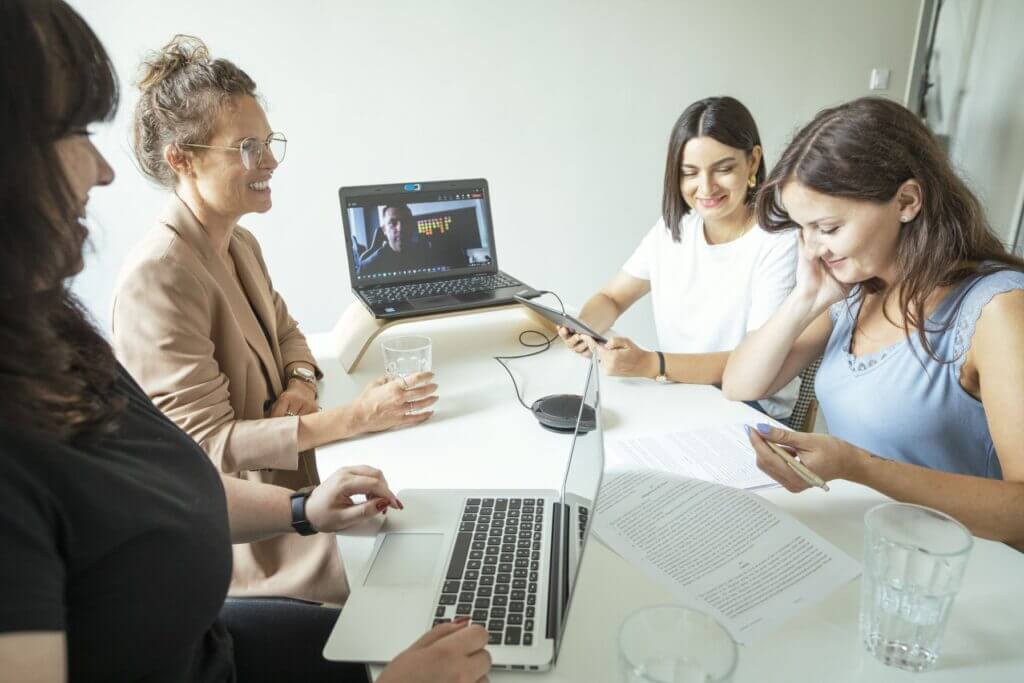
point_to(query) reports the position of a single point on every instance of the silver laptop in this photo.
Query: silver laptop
(507, 559)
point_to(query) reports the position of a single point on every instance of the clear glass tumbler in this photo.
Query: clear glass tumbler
(671, 644)
(914, 559)
(404, 356)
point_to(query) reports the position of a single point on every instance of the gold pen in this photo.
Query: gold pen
(797, 466)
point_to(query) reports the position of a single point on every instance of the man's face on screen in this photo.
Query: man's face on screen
(392, 228)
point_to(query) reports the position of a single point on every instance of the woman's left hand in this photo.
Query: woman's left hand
(828, 457)
(620, 357)
(330, 506)
(298, 399)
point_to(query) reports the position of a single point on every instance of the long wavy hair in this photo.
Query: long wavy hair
(865, 150)
(56, 370)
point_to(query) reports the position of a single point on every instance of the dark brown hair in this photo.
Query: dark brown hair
(183, 93)
(724, 119)
(865, 150)
(56, 372)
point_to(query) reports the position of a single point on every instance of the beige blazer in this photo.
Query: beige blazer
(212, 355)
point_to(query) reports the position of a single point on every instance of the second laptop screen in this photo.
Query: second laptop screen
(415, 234)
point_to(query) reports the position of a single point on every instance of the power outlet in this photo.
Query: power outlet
(880, 79)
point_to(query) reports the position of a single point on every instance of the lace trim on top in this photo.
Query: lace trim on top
(982, 292)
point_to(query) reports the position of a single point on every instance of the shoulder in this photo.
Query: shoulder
(780, 242)
(990, 315)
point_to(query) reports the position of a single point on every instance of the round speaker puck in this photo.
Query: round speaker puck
(559, 413)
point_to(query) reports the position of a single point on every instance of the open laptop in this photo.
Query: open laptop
(421, 248)
(508, 559)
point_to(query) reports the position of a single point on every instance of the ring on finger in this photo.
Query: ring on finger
(290, 413)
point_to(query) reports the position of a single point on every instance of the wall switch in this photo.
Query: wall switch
(880, 79)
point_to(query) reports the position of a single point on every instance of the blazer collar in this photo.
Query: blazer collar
(250, 300)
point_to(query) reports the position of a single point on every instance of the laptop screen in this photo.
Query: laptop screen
(417, 231)
(579, 494)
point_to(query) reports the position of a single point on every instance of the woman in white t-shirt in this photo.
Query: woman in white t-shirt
(714, 274)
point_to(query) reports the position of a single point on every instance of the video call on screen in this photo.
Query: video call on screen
(418, 233)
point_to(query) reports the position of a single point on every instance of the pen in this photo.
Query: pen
(797, 466)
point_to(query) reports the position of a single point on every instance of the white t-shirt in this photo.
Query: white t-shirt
(706, 297)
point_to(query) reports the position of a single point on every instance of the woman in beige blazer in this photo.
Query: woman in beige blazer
(197, 321)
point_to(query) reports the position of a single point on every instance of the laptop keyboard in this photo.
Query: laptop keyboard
(492, 576)
(462, 285)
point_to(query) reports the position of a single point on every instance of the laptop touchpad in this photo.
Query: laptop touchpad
(431, 301)
(405, 560)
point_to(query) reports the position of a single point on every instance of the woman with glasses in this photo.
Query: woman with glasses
(199, 325)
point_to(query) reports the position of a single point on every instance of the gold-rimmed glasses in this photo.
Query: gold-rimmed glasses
(251, 149)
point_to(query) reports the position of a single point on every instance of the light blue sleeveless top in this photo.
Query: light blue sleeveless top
(902, 404)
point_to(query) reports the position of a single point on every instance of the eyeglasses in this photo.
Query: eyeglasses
(251, 149)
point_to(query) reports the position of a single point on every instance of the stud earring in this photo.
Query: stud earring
(752, 180)
(904, 219)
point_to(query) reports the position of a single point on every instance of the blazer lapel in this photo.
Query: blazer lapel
(245, 304)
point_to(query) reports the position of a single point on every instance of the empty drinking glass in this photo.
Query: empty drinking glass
(671, 644)
(404, 356)
(914, 559)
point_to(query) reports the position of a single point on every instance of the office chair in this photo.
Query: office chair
(805, 412)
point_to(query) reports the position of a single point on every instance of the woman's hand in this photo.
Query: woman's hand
(298, 399)
(385, 404)
(448, 653)
(330, 506)
(815, 283)
(828, 457)
(620, 357)
(575, 342)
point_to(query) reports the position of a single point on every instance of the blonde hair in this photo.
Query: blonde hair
(183, 92)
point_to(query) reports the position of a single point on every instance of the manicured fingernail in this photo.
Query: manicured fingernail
(746, 428)
(461, 620)
(764, 428)
(382, 505)
(401, 506)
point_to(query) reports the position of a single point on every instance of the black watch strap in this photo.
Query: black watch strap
(301, 525)
(661, 363)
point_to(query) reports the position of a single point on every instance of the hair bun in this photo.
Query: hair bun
(181, 52)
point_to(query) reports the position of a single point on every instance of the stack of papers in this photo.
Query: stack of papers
(718, 549)
(722, 455)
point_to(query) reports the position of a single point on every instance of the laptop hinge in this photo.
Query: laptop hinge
(555, 572)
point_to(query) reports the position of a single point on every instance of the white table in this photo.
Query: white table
(480, 437)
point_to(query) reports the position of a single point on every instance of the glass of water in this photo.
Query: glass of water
(404, 356)
(914, 559)
(670, 644)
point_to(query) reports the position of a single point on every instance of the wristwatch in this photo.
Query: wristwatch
(304, 375)
(661, 369)
(300, 523)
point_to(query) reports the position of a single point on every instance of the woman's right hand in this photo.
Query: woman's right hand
(448, 653)
(386, 404)
(575, 342)
(815, 284)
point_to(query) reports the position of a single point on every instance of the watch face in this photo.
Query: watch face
(304, 372)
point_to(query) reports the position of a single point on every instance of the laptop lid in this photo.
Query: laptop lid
(411, 232)
(579, 492)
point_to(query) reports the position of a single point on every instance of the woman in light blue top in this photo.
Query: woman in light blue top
(917, 311)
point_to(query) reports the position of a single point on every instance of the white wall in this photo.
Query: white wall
(988, 142)
(564, 106)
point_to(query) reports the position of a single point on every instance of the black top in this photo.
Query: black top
(123, 544)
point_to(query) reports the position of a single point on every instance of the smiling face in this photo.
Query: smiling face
(855, 239)
(713, 178)
(220, 178)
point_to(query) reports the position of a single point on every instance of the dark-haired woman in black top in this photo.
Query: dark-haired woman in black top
(115, 528)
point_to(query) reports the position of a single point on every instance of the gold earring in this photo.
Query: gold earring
(752, 180)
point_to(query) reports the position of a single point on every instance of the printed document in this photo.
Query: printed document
(721, 550)
(721, 454)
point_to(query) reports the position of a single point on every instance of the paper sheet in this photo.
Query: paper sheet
(723, 551)
(722, 455)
